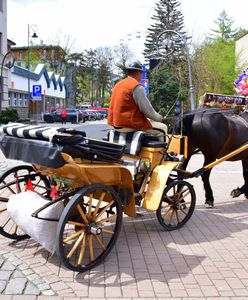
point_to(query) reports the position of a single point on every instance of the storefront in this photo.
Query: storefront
(22, 87)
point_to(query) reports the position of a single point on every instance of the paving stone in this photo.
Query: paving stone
(18, 274)
(8, 266)
(31, 289)
(3, 284)
(16, 286)
(5, 275)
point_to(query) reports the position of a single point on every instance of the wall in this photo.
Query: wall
(241, 51)
(3, 51)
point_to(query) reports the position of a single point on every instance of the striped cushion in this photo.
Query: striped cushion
(132, 140)
(41, 132)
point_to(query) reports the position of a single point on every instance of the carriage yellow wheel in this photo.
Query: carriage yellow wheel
(13, 181)
(177, 204)
(89, 227)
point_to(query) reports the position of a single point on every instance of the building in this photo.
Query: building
(49, 87)
(3, 53)
(52, 56)
(54, 59)
(241, 51)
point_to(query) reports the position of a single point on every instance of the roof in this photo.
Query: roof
(40, 70)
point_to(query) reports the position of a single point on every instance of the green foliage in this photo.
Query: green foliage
(8, 115)
(214, 67)
(225, 30)
(164, 89)
(167, 16)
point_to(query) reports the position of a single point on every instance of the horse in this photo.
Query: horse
(215, 133)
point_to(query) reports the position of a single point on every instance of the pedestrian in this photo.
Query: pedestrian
(63, 115)
(130, 109)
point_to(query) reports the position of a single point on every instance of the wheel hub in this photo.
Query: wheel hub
(94, 229)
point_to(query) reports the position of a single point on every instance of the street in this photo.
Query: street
(205, 259)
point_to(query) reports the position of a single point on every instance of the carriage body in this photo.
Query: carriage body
(96, 182)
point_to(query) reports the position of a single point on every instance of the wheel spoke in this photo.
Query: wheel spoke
(98, 205)
(166, 214)
(17, 183)
(171, 217)
(15, 229)
(106, 219)
(7, 185)
(99, 242)
(90, 206)
(6, 222)
(73, 236)
(91, 247)
(82, 213)
(177, 217)
(104, 210)
(82, 251)
(74, 248)
(170, 199)
(183, 195)
(107, 231)
(76, 223)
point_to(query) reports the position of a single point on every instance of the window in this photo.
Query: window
(1, 5)
(44, 55)
(10, 98)
(14, 100)
(20, 102)
(25, 102)
(20, 55)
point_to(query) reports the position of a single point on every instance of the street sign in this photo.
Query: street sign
(36, 98)
(36, 91)
(145, 83)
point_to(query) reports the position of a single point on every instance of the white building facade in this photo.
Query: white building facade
(3, 52)
(241, 51)
(52, 91)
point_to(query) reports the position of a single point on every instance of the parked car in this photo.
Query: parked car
(92, 115)
(73, 116)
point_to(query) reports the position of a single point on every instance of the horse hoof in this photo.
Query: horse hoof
(209, 204)
(236, 193)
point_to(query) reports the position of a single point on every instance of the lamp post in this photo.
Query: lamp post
(183, 39)
(33, 28)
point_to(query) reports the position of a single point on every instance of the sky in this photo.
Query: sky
(88, 24)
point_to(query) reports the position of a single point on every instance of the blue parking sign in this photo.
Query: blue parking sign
(36, 90)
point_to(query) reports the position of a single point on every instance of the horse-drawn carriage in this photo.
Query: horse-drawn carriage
(72, 195)
(76, 189)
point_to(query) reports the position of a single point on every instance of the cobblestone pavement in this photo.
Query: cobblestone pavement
(206, 259)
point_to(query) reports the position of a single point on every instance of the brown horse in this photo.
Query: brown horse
(216, 133)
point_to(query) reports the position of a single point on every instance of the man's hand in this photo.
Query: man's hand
(161, 119)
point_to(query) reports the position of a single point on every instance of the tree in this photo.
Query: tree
(214, 67)
(165, 89)
(167, 16)
(224, 31)
(104, 59)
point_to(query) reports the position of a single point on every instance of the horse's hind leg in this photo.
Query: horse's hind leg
(244, 189)
(209, 202)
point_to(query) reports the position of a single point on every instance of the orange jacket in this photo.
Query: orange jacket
(123, 111)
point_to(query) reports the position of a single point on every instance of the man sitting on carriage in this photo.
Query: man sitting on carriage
(130, 109)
